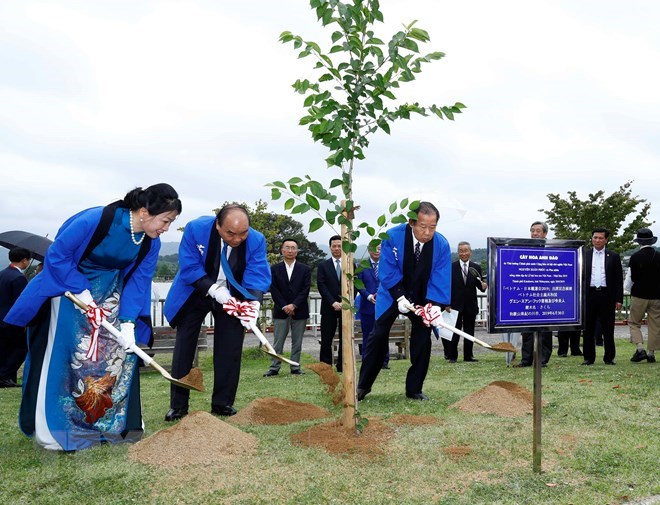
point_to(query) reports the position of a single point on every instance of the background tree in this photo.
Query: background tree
(351, 99)
(572, 218)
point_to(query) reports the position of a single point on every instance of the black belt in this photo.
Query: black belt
(599, 288)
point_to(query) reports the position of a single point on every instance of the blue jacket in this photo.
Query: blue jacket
(370, 282)
(194, 264)
(61, 274)
(390, 269)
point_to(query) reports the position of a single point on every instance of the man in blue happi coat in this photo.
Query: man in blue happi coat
(221, 259)
(414, 271)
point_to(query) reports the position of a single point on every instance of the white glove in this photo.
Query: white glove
(404, 304)
(127, 335)
(86, 298)
(435, 314)
(219, 293)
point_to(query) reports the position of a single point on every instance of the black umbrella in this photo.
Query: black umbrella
(36, 244)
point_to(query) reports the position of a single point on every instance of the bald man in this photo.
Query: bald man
(204, 282)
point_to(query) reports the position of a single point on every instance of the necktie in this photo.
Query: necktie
(375, 268)
(417, 252)
(465, 273)
(338, 268)
(230, 275)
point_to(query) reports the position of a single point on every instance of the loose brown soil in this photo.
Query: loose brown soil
(504, 346)
(278, 411)
(505, 399)
(410, 420)
(328, 376)
(457, 451)
(194, 379)
(338, 439)
(198, 439)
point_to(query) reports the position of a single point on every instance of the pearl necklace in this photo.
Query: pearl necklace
(130, 221)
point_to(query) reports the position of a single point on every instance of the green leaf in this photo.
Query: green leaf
(399, 219)
(381, 220)
(403, 203)
(393, 208)
(279, 184)
(371, 231)
(289, 204)
(300, 209)
(412, 215)
(312, 201)
(336, 36)
(315, 224)
(414, 205)
(419, 34)
(335, 182)
(330, 216)
(294, 180)
(275, 194)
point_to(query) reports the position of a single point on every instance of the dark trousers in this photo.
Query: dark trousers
(528, 347)
(330, 320)
(378, 345)
(566, 338)
(367, 322)
(227, 349)
(601, 309)
(13, 349)
(466, 323)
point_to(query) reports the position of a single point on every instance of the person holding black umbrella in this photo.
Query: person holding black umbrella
(80, 385)
(13, 346)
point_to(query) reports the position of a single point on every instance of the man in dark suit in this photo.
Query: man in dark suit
(221, 259)
(13, 343)
(414, 270)
(328, 278)
(604, 284)
(538, 229)
(367, 309)
(645, 296)
(290, 290)
(464, 287)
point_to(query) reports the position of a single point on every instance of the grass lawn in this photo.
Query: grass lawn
(601, 433)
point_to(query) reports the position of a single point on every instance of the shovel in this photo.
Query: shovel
(268, 349)
(148, 360)
(497, 348)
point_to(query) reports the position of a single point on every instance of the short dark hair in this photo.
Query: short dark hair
(222, 213)
(19, 254)
(333, 238)
(156, 199)
(289, 240)
(428, 208)
(600, 229)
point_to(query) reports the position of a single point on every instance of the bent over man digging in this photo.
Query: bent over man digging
(222, 261)
(414, 270)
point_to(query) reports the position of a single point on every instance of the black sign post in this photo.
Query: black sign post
(536, 285)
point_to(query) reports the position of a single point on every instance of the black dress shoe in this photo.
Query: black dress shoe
(271, 373)
(361, 393)
(417, 396)
(385, 367)
(175, 414)
(8, 383)
(579, 353)
(452, 360)
(651, 358)
(610, 362)
(563, 355)
(223, 410)
(639, 356)
(522, 364)
(587, 363)
(297, 371)
(470, 360)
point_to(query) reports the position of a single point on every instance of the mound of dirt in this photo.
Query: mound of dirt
(410, 420)
(198, 439)
(338, 439)
(278, 411)
(502, 398)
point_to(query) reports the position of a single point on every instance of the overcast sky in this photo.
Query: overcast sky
(97, 97)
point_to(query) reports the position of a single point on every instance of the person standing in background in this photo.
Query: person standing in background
(328, 282)
(13, 342)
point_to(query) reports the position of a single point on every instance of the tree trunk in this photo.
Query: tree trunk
(348, 350)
